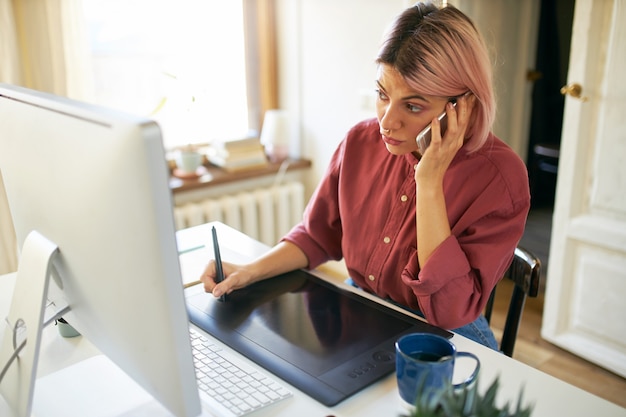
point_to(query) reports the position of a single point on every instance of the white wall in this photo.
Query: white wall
(326, 52)
(510, 29)
(326, 70)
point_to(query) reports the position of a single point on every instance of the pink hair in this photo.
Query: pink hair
(439, 52)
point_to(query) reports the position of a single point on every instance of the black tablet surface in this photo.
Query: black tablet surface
(325, 340)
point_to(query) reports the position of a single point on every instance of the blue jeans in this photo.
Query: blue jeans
(478, 330)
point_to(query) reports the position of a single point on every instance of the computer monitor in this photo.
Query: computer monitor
(93, 182)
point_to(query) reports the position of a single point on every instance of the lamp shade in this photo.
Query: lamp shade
(275, 135)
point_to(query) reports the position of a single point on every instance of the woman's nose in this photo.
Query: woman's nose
(389, 119)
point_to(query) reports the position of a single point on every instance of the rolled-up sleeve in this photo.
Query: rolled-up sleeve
(454, 285)
(319, 233)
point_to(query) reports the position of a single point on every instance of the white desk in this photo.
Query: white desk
(551, 397)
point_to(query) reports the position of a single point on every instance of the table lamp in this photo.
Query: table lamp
(275, 135)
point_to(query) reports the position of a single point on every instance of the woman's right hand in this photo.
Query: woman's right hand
(282, 258)
(235, 277)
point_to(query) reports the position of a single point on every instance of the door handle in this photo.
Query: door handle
(574, 90)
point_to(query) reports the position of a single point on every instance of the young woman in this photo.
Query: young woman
(432, 232)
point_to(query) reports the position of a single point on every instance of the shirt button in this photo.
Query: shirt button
(404, 198)
(371, 278)
(386, 239)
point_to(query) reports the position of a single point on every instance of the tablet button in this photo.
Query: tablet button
(383, 356)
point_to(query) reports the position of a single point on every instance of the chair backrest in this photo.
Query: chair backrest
(525, 272)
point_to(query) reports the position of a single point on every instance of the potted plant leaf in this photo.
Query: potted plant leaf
(467, 402)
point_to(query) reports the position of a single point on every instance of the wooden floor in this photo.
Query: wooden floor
(531, 349)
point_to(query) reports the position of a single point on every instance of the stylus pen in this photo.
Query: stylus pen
(219, 272)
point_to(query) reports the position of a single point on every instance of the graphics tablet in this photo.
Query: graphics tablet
(325, 340)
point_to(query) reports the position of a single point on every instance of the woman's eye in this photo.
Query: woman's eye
(380, 94)
(413, 108)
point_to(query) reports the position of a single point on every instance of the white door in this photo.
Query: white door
(585, 302)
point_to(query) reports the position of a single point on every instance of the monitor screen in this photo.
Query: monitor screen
(94, 182)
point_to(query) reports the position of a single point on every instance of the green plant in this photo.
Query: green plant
(466, 402)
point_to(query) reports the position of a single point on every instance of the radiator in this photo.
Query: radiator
(265, 214)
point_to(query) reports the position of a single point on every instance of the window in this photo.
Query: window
(181, 62)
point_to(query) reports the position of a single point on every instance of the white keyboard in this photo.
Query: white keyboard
(231, 389)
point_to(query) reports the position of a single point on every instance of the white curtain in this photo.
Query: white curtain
(43, 47)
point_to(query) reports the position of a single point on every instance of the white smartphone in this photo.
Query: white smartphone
(423, 138)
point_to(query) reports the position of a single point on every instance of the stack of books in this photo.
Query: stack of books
(238, 155)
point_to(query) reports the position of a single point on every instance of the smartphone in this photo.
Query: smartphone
(423, 138)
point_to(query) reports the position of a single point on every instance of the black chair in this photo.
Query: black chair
(525, 272)
(542, 173)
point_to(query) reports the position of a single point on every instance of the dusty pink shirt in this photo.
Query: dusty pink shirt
(364, 211)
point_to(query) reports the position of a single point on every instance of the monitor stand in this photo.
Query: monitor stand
(19, 352)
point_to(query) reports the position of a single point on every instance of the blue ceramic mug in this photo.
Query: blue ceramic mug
(425, 363)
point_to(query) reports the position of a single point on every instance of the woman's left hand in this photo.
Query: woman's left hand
(441, 151)
(430, 210)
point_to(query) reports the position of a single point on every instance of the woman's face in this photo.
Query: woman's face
(402, 112)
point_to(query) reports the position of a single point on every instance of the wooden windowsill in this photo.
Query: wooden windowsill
(216, 175)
